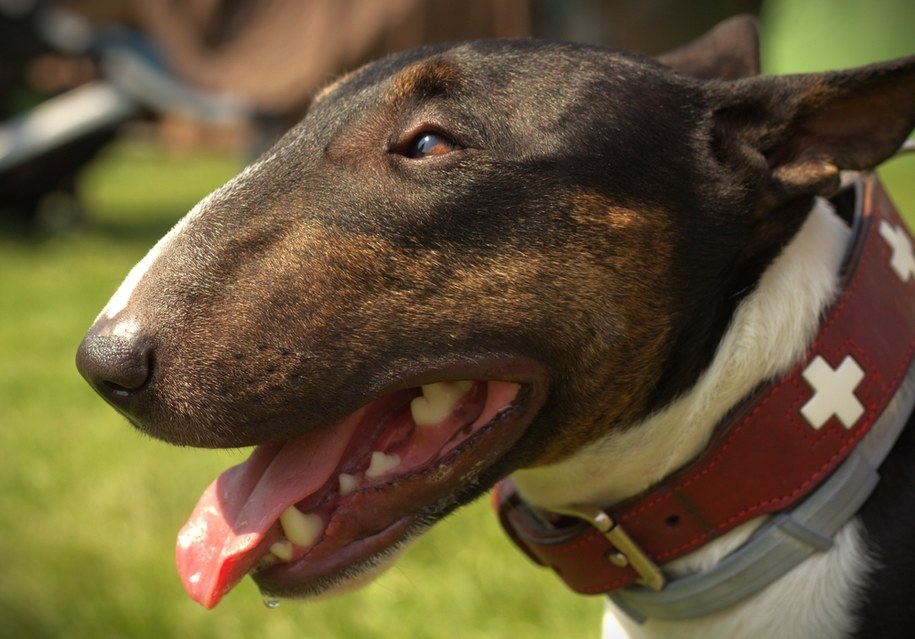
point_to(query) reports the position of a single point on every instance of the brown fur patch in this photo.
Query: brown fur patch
(429, 77)
(620, 274)
(596, 305)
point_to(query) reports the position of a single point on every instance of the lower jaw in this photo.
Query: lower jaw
(346, 568)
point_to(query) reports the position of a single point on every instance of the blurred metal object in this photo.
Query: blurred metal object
(43, 147)
(61, 120)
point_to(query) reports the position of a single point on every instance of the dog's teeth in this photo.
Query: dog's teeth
(282, 549)
(436, 402)
(300, 528)
(381, 463)
(348, 483)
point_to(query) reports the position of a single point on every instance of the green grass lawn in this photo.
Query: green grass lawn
(90, 508)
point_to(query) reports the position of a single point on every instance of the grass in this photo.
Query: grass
(90, 508)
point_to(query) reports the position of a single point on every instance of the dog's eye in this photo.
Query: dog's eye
(429, 144)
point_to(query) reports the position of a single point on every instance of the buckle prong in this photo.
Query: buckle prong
(628, 552)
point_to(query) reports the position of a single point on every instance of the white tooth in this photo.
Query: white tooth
(381, 463)
(348, 483)
(282, 549)
(299, 528)
(437, 400)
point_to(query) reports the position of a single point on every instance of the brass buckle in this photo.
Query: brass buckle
(629, 553)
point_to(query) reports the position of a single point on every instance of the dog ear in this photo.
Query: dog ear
(792, 135)
(727, 52)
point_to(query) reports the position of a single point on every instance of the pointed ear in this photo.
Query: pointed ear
(792, 135)
(727, 52)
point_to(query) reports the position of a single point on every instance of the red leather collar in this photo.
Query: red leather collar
(776, 447)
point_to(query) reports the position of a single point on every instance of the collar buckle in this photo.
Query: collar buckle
(628, 552)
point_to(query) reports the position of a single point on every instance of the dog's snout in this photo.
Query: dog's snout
(116, 359)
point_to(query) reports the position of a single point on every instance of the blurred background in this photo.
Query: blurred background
(116, 116)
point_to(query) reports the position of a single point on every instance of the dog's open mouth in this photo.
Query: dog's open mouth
(299, 512)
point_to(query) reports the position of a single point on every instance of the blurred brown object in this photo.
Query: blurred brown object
(276, 53)
(51, 73)
(650, 26)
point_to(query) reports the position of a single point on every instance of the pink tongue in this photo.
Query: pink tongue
(223, 538)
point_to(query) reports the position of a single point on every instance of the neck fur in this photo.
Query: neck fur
(770, 331)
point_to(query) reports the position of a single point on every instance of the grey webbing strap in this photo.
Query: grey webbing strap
(786, 539)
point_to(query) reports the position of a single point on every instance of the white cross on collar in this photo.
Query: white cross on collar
(903, 259)
(833, 392)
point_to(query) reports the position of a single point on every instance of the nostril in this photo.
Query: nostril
(117, 389)
(117, 364)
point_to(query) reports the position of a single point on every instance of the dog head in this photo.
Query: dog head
(466, 260)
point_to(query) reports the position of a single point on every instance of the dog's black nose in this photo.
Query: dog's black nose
(116, 360)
